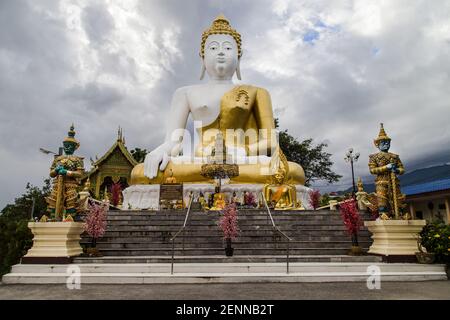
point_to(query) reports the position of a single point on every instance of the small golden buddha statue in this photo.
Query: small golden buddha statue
(279, 194)
(171, 179)
(203, 202)
(219, 202)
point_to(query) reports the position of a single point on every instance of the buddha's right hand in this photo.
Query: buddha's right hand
(154, 161)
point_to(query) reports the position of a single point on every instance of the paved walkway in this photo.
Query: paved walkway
(274, 291)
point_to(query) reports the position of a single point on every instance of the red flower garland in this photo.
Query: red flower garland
(350, 216)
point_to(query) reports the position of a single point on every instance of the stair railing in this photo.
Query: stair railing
(180, 231)
(279, 232)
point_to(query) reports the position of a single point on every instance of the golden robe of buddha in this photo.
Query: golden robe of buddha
(242, 113)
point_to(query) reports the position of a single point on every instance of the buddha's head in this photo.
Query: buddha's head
(221, 50)
(70, 144)
(279, 176)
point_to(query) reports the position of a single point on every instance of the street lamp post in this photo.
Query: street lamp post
(352, 157)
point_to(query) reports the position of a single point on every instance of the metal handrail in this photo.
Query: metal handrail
(279, 231)
(102, 202)
(179, 231)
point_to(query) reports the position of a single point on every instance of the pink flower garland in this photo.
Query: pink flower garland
(228, 223)
(96, 219)
(314, 198)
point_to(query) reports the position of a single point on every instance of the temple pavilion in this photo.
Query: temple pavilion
(113, 167)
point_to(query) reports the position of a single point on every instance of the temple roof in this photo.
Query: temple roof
(437, 185)
(118, 145)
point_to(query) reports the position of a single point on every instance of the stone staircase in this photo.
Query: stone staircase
(137, 250)
(148, 233)
(202, 273)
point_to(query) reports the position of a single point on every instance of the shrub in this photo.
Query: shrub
(314, 198)
(15, 237)
(435, 237)
(15, 240)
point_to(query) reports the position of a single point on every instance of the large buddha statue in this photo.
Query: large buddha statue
(242, 113)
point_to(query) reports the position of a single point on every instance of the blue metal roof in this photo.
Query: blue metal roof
(436, 185)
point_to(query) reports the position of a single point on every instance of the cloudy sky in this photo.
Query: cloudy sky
(335, 70)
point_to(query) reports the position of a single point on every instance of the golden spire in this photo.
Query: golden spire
(119, 134)
(381, 135)
(71, 136)
(220, 25)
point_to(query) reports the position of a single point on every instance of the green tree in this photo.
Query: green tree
(139, 154)
(15, 237)
(314, 160)
(325, 199)
(21, 209)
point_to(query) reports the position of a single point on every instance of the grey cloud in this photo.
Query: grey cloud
(97, 22)
(95, 96)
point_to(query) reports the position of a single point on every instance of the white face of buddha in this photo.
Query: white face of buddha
(221, 56)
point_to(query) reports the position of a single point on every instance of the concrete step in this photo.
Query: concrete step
(223, 273)
(221, 250)
(243, 228)
(257, 232)
(237, 244)
(224, 259)
(219, 237)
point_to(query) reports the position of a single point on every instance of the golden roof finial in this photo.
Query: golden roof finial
(71, 136)
(381, 135)
(119, 134)
(220, 25)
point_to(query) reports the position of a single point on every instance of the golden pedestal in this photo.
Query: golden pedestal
(394, 237)
(55, 240)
